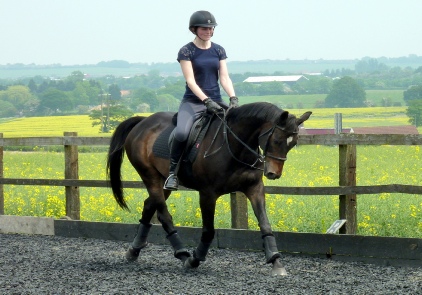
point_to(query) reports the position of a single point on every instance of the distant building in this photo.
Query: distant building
(283, 79)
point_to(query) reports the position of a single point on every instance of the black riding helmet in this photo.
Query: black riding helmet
(201, 18)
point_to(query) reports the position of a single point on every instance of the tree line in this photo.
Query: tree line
(152, 92)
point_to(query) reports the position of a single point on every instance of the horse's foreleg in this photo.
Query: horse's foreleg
(180, 252)
(207, 204)
(272, 255)
(139, 242)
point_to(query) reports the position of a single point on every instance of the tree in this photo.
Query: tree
(17, 95)
(7, 109)
(271, 88)
(55, 100)
(145, 95)
(85, 93)
(414, 112)
(370, 66)
(114, 91)
(414, 92)
(109, 117)
(346, 93)
(167, 103)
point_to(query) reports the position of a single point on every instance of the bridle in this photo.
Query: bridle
(260, 158)
(270, 133)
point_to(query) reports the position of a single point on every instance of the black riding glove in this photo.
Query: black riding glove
(234, 102)
(212, 106)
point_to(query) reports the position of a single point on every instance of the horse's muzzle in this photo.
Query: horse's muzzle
(273, 169)
(272, 176)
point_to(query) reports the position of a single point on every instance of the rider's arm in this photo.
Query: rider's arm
(225, 80)
(187, 71)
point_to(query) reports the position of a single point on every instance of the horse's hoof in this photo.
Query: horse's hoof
(279, 271)
(191, 263)
(132, 254)
(278, 268)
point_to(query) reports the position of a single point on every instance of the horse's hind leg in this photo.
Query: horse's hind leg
(139, 242)
(141, 239)
(156, 202)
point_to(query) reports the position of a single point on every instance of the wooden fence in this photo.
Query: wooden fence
(347, 189)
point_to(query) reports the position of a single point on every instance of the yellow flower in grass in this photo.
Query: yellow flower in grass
(198, 213)
(413, 211)
(363, 224)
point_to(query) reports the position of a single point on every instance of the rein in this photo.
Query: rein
(259, 158)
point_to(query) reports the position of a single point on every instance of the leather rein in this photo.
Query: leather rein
(260, 158)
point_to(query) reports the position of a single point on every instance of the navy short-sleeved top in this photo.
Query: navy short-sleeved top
(206, 66)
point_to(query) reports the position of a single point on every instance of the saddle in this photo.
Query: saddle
(161, 147)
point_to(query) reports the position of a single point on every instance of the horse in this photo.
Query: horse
(240, 146)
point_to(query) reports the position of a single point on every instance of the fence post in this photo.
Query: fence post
(1, 176)
(71, 171)
(239, 210)
(347, 177)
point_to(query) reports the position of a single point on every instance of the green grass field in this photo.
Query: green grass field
(309, 101)
(382, 215)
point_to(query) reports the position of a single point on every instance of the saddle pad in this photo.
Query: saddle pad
(161, 145)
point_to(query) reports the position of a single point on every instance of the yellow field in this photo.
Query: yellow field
(321, 118)
(50, 126)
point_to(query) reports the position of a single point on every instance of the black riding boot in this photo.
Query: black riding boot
(177, 147)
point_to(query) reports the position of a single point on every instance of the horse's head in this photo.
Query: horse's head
(277, 139)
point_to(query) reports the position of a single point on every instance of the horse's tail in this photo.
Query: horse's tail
(115, 158)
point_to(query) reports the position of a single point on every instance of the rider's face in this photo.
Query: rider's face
(205, 33)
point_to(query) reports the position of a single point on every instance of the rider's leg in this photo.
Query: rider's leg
(188, 113)
(176, 151)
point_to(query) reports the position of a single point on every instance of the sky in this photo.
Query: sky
(77, 32)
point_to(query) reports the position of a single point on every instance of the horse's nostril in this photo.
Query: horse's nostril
(271, 175)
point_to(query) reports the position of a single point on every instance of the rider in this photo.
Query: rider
(203, 63)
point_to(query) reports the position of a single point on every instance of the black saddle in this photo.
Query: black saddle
(198, 131)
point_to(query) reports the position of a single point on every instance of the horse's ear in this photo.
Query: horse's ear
(303, 118)
(283, 118)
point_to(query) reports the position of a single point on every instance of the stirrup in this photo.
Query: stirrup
(172, 183)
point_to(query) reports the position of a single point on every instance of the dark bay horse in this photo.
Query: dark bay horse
(250, 141)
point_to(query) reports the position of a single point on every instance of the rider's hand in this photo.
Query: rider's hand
(234, 102)
(212, 106)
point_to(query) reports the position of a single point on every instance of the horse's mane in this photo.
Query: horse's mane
(260, 111)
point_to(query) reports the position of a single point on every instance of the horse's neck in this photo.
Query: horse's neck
(247, 131)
